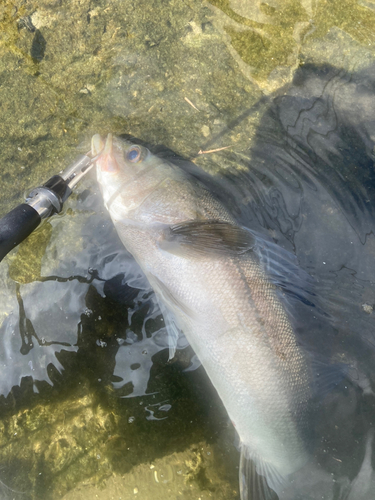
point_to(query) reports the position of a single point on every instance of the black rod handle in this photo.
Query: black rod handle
(17, 225)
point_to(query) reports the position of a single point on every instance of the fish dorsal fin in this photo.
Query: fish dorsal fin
(194, 238)
(326, 376)
(257, 478)
(283, 269)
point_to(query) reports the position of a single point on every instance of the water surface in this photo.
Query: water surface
(89, 403)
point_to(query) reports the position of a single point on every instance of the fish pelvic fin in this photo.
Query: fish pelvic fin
(168, 303)
(258, 479)
(173, 331)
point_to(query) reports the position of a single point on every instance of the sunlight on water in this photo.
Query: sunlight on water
(275, 101)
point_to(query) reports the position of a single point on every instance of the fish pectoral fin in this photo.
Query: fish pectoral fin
(206, 237)
(257, 478)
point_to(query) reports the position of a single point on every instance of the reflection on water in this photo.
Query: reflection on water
(82, 334)
(87, 393)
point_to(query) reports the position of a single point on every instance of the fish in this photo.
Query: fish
(211, 278)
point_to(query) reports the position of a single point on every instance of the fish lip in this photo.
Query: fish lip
(97, 145)
(108, 145)
(105, 160)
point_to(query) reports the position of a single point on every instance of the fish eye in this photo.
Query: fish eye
(134, 154)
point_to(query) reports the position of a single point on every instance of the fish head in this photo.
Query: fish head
(139, 185)
(126, 173)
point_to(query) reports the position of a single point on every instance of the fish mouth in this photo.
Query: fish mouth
(106, 161)
(97, 145)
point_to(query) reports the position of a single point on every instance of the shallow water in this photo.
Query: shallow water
(89, 403)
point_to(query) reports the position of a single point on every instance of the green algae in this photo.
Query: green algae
(265, 46)
(96, 58)
(80, 430)
(288, 27)
(25, 264)
(53, 106)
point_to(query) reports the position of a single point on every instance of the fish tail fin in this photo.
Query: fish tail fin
(258, 479)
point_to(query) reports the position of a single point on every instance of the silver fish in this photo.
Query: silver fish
(210, 281)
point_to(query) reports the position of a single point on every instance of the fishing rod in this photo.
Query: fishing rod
(40, 203)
